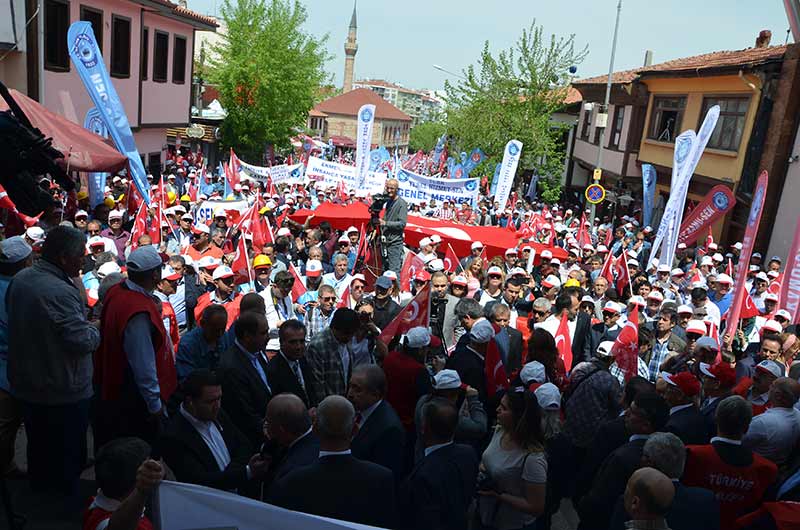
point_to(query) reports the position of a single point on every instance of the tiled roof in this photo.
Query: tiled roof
(182, 12)
(698, 63)
(348, 104)
(695, 64)
(573, 96)
(314, 113)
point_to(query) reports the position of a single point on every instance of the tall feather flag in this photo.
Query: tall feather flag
(626, 346)
(563, 340)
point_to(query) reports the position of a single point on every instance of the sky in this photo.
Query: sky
(400, 41)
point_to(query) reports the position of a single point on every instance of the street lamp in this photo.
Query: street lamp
(442, 69)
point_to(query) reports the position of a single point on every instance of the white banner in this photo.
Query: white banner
(415, 189)
(507, 171)
(688, 164)
(366, 116)
(205, 211)
(331, 173)
(281, 174)
(181, 506)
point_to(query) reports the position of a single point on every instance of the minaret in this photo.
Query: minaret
(350, 49)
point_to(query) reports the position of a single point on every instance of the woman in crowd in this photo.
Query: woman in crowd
(542, 348)
(514, 467)
(492, 287)
(474, 275)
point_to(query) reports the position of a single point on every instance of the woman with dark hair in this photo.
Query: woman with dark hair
(542, 348)
(512, 487)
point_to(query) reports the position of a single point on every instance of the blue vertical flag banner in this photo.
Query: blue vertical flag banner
(378, 157)
(366, 116)
(439, 149)
(90, 66)
(475, 158)
(649, 178)
(508, 169)
(495, 180)
(532, 194)
(97, 181)
(451, 166)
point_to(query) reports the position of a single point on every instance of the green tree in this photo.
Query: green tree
(268, 72)
(425, 135)
(512, 96)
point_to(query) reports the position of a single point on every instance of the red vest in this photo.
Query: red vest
(231, 307)
(119, 306)
(739, 490)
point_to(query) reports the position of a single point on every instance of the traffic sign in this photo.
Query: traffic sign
(595, 193)
(597, 173)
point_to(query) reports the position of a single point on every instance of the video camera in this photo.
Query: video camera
(378, 202)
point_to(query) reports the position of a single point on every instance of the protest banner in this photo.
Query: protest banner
(649, 178)
(188, 506)
(508, 169)
(790, 287)
(281, 174)
(331, 173)
(416, 189)
(366, 115)
(717, 202)
(92, 70)
(205, 212)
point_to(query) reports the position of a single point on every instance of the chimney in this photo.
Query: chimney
(648, 57)
(763, 39)
(183, 4)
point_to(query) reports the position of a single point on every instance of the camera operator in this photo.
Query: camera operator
(392, 226)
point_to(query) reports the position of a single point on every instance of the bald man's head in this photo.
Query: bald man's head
(333, 422)
(649, 494)
(287, 419)
(784, 392)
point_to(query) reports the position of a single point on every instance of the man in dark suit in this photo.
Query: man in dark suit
(569, 300)
(685, 418)
(243, 368)
(607, 330)
(379, 435)
(202, 446)
(288, 371)
(438, 491)
(287, 426)
(647, 414)
(691, 507)
(470, 360)
(338, 485)
(508, 339)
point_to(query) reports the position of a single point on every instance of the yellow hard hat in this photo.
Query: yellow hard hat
(170, 197)
(109, 201)
(263, 210)
(186, 198)
(262, 261)
(83, 195)
(572, 282)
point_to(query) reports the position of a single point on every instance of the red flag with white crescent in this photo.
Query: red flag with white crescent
(626, 346)
(496, 378)
(139, 226)
(411, 265)
(607, 271)
(241, 262)
(451, 262)
(622, 273)
(563, 340)
(415, 314)
(298, 289)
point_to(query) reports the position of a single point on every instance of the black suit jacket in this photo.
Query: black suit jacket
(610, 436)
(381, 440)
(438, 492)
(469, 366)
(583, 326)
(305, 451)
(598, 333)
(191, 460)
(691, 508)
(512, 358)
(689, 425)
(342, 487)
(244, 394)
(597, 506)
(282, 379)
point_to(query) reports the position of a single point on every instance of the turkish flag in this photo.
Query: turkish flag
(583, 232)
(451, 262)
(626, 346)
(345, 300)
(607, 271)
(234, 168)
(241, 263)
(411, 265)
(298, 289)
(622, 272)
(563, 340)
(775, 285)
(749, 309)
(416, 313)
(496, 378)
(139, 226)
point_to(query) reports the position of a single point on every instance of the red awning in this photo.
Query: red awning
(340, 217)
(86, 150)
(343, 141)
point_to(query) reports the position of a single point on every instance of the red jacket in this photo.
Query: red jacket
(232, 307)
(739, 489)
(119, 306)
(402, 373)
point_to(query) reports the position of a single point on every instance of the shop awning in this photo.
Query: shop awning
(86, 150)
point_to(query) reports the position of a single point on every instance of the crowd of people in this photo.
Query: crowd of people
(280, 386)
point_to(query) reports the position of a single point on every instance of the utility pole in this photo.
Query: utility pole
(599, 163)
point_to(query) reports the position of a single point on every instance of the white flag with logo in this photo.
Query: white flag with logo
(508, 169)
(366, 116)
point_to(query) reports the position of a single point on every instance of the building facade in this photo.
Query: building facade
(337, 117)
(147, 46)
(420, 105)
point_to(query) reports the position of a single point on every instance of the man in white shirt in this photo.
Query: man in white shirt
(775, 433)
(202, 446)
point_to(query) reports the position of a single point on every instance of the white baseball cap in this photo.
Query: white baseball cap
(533, 372)
(313, 267)
(222, 272)
(548, 396)
(476, 245)
(604, 349)
(447, 380)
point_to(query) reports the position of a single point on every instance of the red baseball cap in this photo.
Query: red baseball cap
(720, 371)
(685, 381)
